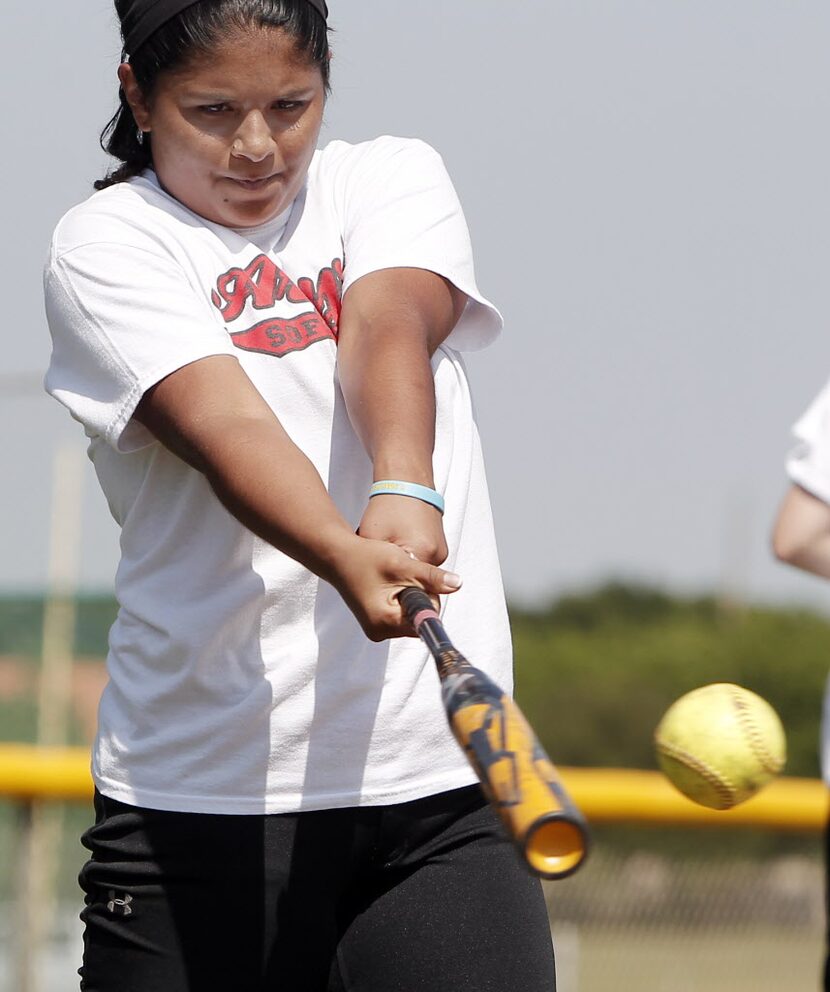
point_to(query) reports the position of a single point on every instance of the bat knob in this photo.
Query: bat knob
(414, 601)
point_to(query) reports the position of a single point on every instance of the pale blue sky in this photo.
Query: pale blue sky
(646, 184)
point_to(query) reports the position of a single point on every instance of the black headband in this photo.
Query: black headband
(146, 16)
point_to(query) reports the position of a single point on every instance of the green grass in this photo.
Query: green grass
(759, 960)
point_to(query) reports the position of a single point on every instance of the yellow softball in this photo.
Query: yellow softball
(720, 744)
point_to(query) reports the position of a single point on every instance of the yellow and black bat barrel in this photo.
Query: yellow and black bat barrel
(517, 776)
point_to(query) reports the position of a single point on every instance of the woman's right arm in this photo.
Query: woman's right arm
(801, 535)
(209, 414)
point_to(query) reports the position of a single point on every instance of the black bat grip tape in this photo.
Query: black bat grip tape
(414, 601)
(430, 629)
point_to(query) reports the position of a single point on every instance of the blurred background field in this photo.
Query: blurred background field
(654, 909)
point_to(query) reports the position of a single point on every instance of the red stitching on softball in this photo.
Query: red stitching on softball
(722, 786)
(768, 761)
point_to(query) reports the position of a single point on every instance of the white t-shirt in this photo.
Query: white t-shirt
(239, 682)
(808, 465)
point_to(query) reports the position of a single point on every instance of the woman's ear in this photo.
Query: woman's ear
(135, 97)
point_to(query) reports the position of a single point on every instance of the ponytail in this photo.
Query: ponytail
(122, 139)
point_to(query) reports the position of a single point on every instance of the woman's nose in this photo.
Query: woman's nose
(253, 139)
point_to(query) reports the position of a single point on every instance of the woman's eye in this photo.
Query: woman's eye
(213, 108)
(289, 105)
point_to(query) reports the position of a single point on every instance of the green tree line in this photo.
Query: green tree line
(594, 671)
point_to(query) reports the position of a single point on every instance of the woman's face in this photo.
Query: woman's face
(233, 135)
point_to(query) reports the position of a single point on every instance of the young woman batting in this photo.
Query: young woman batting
(261, 340)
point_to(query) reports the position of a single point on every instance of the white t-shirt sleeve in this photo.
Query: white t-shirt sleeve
(122, 318)
(808, 463)
(400, 209)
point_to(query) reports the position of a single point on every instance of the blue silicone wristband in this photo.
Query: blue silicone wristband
(393, 487)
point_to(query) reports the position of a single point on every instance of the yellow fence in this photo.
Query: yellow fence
(633, 920)
(605, 795)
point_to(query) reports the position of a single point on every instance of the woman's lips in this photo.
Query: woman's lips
(253, 184)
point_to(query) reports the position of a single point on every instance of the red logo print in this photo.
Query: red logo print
(262, 284)
(279, 336)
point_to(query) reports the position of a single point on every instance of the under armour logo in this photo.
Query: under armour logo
(120, 905)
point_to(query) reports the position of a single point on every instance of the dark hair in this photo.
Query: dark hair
(195, 32)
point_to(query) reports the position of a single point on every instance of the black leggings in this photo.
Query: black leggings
(424, 896)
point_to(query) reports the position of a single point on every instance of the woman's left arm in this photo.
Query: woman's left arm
(391, 323)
